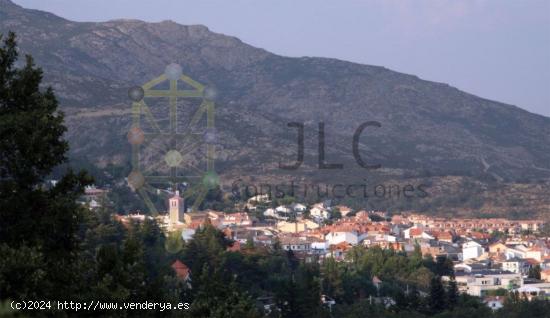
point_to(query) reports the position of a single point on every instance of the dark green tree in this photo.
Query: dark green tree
(443, 266)
(218, 297)
(452, 292)
(308, 291)
(331, 279)
(207, 247)
(437, 301)
(37, 221)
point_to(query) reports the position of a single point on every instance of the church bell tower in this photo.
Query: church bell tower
(176, 208)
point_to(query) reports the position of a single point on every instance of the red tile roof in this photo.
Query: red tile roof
(342, 246)
(182, 271)
(532, 261)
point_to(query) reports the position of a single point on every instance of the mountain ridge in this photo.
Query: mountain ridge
(427, 128)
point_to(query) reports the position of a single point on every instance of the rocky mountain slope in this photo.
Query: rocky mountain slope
(427, 128)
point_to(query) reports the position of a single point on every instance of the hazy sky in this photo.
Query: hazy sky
(497, 49)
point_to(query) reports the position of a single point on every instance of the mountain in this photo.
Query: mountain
(427, 128)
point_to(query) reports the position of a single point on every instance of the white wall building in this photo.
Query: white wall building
(518, 251)
(322, 247)
(298, 207)
(319, 212)
(479, 284)
(334, 238)
(515, 265)
(471, 249)
(283, 209)
(272, 213)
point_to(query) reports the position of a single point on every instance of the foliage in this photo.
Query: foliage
(38, 224)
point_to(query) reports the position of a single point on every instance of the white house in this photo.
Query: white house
(283, 209)
(261, 198)
(518, 251)
(319, 212)
(462, 267)
(293, 243)
(239, 219)
(417, 232)
(334, 238)
(273, 214)
(270, 212)
(515, 265)
(319, 247)
(479, 284)
(536, 252)
(298, 207)
(471, 249)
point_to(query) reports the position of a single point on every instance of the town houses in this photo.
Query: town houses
(487, 254)
(490, 225)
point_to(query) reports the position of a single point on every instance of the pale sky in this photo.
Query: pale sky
(496, 49)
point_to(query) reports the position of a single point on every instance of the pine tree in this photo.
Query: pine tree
(452, 292)
(308, 291)
(36, 222)
(443, 266)
(437, 295)
(219, 298)
(331, 279)
(206, 247)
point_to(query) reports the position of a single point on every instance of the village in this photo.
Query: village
(490, 256)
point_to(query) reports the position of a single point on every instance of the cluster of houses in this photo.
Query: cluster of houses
(489, 255)
(93, 197)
